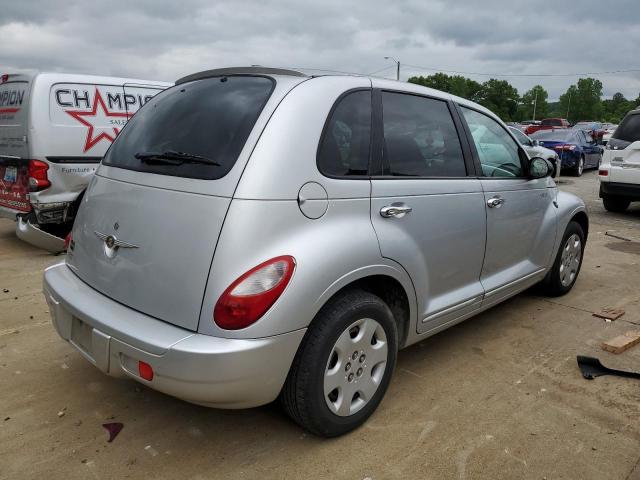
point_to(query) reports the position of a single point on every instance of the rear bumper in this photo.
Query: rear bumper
(616, 189)
(569, 160)
(211, 371)
(29, 233)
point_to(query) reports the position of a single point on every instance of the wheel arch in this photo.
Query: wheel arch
(582, 219)
(393, 286)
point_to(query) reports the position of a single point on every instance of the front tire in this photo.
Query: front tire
(343, 366)
(615, 204)
(566, 267)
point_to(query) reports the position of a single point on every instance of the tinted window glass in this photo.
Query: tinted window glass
(554, 122)
(629, 129)
(344, 150)
(521, 137)
(499, 153)
(211, 118)
(420, 138)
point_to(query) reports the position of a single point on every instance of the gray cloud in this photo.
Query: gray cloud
(163, 40)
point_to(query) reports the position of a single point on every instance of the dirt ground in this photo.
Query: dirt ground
(498, 396)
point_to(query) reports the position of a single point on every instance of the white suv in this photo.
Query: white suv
(619, 171)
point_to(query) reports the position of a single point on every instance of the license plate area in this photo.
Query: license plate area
(11, 174)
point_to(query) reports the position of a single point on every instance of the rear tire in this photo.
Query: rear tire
(615, 204)
(579, 168)
(352, 343)
(566, 267)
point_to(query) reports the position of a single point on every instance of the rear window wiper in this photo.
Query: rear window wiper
(174, 158)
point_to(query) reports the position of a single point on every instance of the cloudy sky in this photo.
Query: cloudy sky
(163, 40)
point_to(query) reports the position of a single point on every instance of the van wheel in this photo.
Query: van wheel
(615, 204)
(343, 366)
(566, 267)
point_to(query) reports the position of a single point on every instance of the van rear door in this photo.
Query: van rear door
(14, 176)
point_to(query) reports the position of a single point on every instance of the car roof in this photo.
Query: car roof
(376, 82)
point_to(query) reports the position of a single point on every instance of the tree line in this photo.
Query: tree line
(581, 101)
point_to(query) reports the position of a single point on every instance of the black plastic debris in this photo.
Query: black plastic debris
(113, 429)
(592, 368)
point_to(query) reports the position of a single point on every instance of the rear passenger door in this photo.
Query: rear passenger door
(428, 213)
(521, 219)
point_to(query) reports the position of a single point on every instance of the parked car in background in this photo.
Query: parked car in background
(547, 124)
(619, 172)
(54, 129)
(577, 149)
(609, 128)
(595, 129)
(534, 149)
(275, 254)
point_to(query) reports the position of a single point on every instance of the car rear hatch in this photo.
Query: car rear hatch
(147, 229)
(14, 175)
(624, 154)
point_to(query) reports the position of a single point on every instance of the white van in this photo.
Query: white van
(54, 130)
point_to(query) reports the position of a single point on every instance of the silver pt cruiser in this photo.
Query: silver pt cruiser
(259, 233)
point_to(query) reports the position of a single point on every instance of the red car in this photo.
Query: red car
(548, 124)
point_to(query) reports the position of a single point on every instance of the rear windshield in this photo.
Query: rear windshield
(209, 118)
(555, 122)
(554, 135)
(629, 129)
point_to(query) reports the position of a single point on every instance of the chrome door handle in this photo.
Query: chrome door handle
(395, 210)
(495, 202)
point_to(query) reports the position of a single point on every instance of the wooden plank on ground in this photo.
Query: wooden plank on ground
(609, 313)
(622, 342)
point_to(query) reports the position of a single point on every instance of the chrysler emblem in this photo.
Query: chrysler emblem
(111, 244)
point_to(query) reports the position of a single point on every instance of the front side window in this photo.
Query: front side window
(521, 137)
(498, 151)
(420, 138)
(193, 130)
(344, 149)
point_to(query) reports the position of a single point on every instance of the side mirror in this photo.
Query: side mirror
(540, 168)
(535, 143)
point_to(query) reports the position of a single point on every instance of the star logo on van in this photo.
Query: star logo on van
(98, 120)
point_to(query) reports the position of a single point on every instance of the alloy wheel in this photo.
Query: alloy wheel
(355, 367)
(570, 260)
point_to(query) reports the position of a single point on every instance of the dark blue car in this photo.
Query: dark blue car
(577, 149)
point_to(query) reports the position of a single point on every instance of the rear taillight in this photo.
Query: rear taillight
(38, 179)
(603, 173)
(67, 240)
(565, 147)
(252, 294)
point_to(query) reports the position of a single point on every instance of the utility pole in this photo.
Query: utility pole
(568, 104)
(397, 66)
(535, 104)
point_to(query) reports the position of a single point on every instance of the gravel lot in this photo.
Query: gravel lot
(499, 396)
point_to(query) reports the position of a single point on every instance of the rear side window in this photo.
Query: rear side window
(629, 129)
(420, 138)
(344, 149)
(209, 118)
